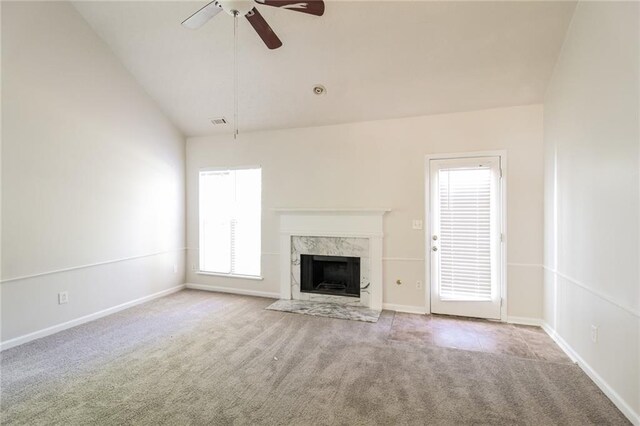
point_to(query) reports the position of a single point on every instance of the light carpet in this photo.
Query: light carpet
(216, 359)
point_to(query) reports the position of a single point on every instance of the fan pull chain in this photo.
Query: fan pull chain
(235, 74)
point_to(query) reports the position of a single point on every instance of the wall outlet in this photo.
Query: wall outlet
(419, 285)
(175, 268)
(417, 224)
(594, 333)
(194, 268)
(63, 297)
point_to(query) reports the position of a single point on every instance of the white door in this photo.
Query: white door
(465, 236)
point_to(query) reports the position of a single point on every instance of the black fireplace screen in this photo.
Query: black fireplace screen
(335, 275)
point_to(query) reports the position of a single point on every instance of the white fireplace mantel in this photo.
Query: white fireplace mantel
(345, 223)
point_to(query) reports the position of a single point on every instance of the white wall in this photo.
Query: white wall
(381, 164)
(92, 172)
(592, 195)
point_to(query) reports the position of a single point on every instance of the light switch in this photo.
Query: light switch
(417, 224)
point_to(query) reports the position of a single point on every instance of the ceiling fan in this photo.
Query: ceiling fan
(247, 9)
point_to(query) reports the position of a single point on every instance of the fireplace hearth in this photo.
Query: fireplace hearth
(331, 275)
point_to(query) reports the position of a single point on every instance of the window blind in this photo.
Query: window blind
(230, 214)
(465, 234)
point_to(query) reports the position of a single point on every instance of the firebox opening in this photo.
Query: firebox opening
(333, 275)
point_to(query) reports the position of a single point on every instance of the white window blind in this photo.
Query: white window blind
(230, 213)
(465, 232)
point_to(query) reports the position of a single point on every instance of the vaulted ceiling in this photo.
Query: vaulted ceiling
(377, 59)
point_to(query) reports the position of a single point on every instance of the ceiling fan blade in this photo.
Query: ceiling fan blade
(312, 7)
(263, 29)
(201, 17)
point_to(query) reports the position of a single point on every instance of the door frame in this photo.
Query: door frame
(502, 279)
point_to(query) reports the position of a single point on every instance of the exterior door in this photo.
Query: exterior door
(465, 240)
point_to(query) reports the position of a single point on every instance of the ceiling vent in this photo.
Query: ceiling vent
(218, 121)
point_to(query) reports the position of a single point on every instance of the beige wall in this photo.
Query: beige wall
(592, 197)
(382, 164)
(92, 172)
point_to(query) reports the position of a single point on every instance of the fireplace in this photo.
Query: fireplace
(329, 232)
(332, 275)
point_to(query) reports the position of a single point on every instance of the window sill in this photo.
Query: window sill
(244, 277)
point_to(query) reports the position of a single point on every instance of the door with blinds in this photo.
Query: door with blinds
(465, 237)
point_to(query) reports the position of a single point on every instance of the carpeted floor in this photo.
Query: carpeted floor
(214, 359)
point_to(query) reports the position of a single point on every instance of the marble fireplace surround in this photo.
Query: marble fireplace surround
(344, 232)
(330, 246)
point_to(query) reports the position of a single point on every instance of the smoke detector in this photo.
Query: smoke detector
(319, 89)
(218, 121)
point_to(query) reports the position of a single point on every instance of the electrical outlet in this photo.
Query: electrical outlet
(63, 297)
(419, 285)
(417, 224)
(594, 333)
(175, 268)
(194, 267)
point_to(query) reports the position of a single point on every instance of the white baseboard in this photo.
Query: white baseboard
(78, 321)
(276, 295)
(404, 308)
(215, 288)
(568, 350)
(597, 379)
(525, 321)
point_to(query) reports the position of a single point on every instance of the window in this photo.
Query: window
(230, 211)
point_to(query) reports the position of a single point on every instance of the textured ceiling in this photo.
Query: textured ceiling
(377, 59)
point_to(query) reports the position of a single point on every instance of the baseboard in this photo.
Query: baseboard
(404, 308)
(274, 295)
(78, 321)
(593, 375)
(215, 288)
(568, 350)
(525, 321)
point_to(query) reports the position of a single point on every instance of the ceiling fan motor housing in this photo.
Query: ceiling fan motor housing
(239, 7)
